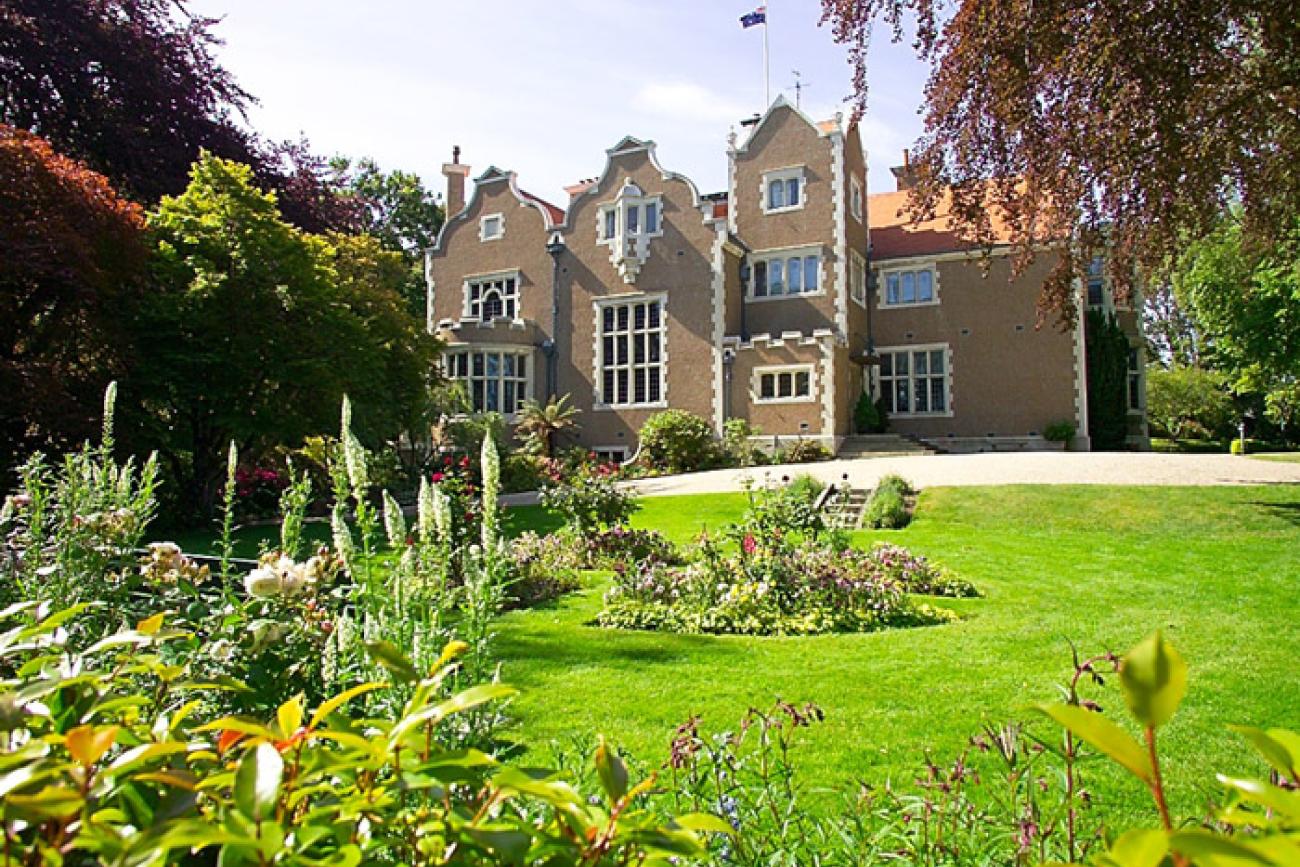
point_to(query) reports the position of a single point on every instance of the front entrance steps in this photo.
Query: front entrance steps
(842, 506)
(882, 446)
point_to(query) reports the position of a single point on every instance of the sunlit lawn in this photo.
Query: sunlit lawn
(1217, 569)
(1288, 457)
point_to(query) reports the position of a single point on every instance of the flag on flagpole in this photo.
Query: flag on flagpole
(752, 19)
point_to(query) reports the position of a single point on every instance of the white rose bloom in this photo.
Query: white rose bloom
(293, 580)
(262, 582)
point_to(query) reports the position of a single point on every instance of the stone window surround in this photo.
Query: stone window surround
(783, 174)
(883, 272)
(470, 279)
(503, 349)
(855, 197)
(802, 251)
(597, 350)
(947, 377)
(755, 385)
(858, 277)
(483, 222)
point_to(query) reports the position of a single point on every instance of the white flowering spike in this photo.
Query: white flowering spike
(342, 536)
(426, 512)
(110, 406)
(345, 420)
(490, 462)
(394, 522)
(232, 461)
(442, 515)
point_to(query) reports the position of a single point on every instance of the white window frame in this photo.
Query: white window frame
(599, 401)
(468, 311)
(858, 277)
(855, 197)
(785, 254)
(483, 223)
(777, 371)
(501, 351)
(914, 268)
(628, 248)
(786, 174)
(882, 379)
(611, 451)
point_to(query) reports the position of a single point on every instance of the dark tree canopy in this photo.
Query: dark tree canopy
(132, 87)
(1133, 122)
(72, 253)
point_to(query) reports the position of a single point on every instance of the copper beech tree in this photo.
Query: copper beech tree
(1131, 123)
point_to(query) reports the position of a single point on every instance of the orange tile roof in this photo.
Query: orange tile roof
(556, 212)
(894, 235)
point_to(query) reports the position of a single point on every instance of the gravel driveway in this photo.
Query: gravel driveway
(1026, 468)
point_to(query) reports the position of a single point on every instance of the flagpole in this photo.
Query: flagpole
(767, 84)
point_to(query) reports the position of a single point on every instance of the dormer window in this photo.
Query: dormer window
(491, 227)
(626, 225)
(783, 190)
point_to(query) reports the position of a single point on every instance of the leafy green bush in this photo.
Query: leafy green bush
(678, 441)
(106, 753)
(522, 472)
(586, 496)
(1188, 401)
(887, 507)
(868, 415)
(1059, 432)
(806, 452)
(737, 447)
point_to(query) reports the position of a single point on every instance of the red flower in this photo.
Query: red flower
(750, 544)
(464, 462)
(436, 477)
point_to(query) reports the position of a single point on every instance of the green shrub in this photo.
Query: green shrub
(806, 486)
(678, 441)
(806, 452)
(886, 510)
(737, 447)
(586, 496)
(522, 472)
(1188, 402)
(1059, 432)
(897, 483)
(868, 415)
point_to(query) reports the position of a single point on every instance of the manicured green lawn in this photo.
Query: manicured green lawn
(1288, 457)
(1217, 569)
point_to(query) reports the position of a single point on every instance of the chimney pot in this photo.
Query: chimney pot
(455, 172)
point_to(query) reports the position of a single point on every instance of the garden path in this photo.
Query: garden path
(1024, 468)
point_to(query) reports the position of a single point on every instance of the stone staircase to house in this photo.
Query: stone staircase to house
(882, 446)
(843, 506)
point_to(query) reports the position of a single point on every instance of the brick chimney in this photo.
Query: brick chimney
(455, 172)
(904, 175)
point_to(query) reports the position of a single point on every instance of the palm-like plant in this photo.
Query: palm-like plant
(540, 423)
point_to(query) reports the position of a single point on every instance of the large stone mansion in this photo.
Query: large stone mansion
(779, 302)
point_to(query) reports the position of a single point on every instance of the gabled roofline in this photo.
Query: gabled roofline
(782, 102)
(494, 175)
(630, 145)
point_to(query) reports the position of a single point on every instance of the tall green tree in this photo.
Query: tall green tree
(1127, 124)
(397, 209)
(1107, 353)
(258, 329)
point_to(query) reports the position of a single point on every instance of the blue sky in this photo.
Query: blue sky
(544, 88)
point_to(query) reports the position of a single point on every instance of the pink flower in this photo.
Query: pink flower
(436, 477)
(750, 544)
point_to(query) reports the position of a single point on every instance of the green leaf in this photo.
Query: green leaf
(257, 782)
(611, 770)
(1267, 795)
(1273, 751)
(1104, 735)
(136, 756)
(1207, 845)
(51, 802)
(461, 701)
(289, 716)
(1141, 847)
(339, 700)
(1154, 679)
(388, 656)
